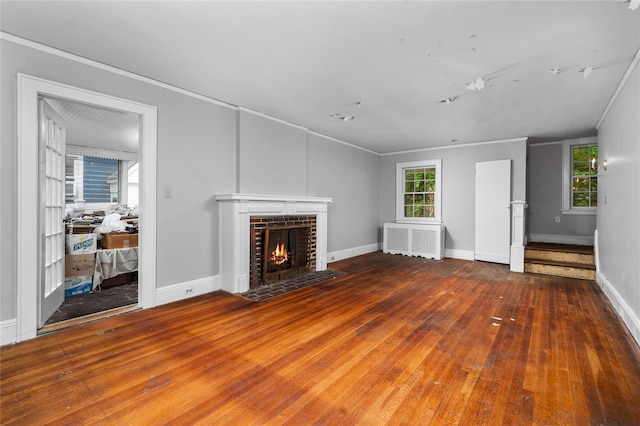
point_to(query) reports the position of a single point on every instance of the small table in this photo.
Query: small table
(113, 262)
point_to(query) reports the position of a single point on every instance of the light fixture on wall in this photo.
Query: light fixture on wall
(596, 166)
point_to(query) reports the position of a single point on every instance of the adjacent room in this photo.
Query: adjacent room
(359, 212)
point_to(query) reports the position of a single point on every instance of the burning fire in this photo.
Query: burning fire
(279, 255)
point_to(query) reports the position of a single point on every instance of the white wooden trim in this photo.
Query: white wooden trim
(400, 217)
(187, 289)
(459, 254)
(8, 332)
(567, 144)
(335, 256)
(311, 132)
(580, 240)
(626, 76)
(464, 145)
(535, 145)
(272, 118)
(70, 56)
(29, 88)
(625, 312)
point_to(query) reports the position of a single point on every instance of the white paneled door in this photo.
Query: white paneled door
(51, 132)
(492, 211)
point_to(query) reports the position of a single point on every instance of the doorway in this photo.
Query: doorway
(98, 166)
(29, 237)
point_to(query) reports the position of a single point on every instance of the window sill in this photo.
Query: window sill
(419, 222)
(591, 212)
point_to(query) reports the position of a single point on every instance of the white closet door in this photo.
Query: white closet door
(52, 201)
(492, 211)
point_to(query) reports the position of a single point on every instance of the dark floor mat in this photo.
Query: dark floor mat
(91, 303)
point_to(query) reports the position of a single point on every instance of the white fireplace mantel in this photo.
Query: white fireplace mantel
(235, 212)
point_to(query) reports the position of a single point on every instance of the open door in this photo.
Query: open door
(51, 135)
(492, 211)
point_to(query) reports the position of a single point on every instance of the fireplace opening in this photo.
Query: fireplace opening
(286, 252)
(289, 251)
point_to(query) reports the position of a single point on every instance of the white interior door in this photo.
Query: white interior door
(492, 211)
(51, 131)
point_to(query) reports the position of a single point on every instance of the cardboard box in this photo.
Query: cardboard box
(81, 243)
(78, 229)
(78, 265)
(78, 285)
(115, 240)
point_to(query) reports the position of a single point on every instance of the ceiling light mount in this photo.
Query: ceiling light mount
(478, 84)
(343, 117)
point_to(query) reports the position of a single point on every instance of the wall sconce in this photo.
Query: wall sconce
(596, 166)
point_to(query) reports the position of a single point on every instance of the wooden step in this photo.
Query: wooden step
(561, 269)
(559, 253)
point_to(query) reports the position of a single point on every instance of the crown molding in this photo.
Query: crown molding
(626, 76)
(465, 145)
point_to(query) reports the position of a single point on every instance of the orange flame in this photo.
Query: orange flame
(279, 255)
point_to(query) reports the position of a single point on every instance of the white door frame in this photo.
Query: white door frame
(28, 285)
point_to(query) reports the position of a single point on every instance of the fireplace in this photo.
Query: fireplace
(244, 220)
(280, 247)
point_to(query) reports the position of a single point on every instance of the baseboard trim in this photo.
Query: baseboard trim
(561, 239)
(335, 256)
(459, 254)
(8, 331)
(187, 289)
(486, 257)
(626, 314)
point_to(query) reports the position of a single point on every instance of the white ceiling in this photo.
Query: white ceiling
(303, 62)
(96, 127)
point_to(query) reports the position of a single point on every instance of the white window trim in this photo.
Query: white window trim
(567, 145)
(400, 217)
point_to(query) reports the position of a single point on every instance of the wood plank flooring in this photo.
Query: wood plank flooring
(396, 340)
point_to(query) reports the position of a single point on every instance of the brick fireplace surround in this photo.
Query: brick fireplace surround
(257, 226)
(235, 213)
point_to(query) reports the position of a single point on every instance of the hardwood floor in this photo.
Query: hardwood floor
(396, 340)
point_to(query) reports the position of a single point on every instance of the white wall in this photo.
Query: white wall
(350, 176)
(204, 148)
(277, 158)
(195, 156)
(272, 156)
(618, 220)
(458, 186)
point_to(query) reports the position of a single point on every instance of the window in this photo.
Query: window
(584, 185)
(92, 179)
(580, 176)
(418, 191)
(100, 182)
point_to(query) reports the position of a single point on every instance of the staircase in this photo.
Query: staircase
(560, 260)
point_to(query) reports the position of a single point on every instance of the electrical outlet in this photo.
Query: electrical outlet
(557, 219)
(188, 291)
